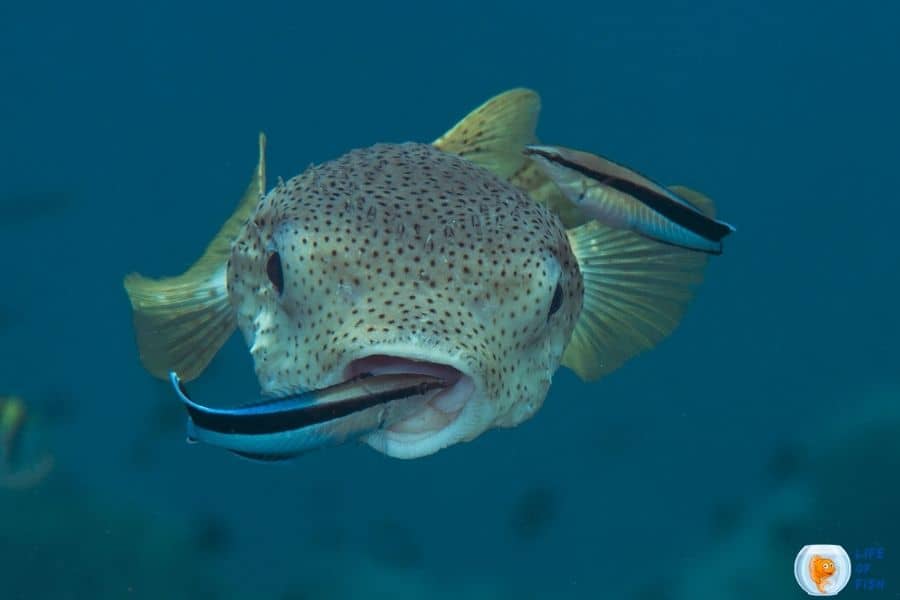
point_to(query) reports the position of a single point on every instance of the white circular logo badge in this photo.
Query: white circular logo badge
(822, 569)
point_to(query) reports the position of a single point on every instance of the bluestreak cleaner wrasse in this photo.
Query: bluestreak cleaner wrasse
(20, 466)
(459, 259)
(621, 198)
(286, 427)
(12, 421)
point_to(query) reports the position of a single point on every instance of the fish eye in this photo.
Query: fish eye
(556, 302)
(273, 270)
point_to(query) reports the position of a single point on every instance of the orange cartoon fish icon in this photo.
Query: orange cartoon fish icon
(820, 569)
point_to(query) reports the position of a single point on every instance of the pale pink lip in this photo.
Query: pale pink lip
(439, 410)
(382, 364)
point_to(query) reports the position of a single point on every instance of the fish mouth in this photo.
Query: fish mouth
(435, 422)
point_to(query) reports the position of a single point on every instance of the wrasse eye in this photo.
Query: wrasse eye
(275, 273)
(556, 302)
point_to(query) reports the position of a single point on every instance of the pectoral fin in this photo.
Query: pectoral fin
(635, 292)
(181, 322)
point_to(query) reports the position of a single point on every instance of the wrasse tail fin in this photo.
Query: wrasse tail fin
(701, 202)
(181, 322)
(494, 134)
(635, 292)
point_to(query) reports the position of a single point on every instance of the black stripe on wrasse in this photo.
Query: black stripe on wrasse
(250, 421)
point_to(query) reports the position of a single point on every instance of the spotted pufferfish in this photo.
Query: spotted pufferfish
(417, 295)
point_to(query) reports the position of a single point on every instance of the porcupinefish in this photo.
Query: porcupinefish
(453, 278)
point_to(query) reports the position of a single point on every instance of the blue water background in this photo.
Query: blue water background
(145, 115)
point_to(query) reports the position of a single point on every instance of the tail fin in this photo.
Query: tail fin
(181, 322)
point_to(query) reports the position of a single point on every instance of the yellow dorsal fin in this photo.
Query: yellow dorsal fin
(181, 322)
(494, 134)
(703, 203)
(635, 292)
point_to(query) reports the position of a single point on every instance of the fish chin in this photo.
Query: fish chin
(455, 414)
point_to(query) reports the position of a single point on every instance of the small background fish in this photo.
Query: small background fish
(24, 463)
(784, 113)
(22, 209)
